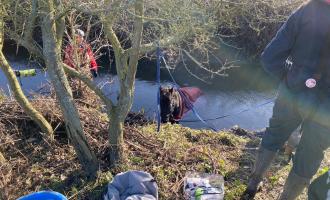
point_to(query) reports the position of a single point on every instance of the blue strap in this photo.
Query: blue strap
(158, 91)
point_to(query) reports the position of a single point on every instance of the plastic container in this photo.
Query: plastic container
(44, 195)
(203, 186)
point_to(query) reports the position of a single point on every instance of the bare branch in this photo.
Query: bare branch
(220, 72)
(189, 71)
(60, 24)
(17, 90)
(31, 22)
(109, 104)
(163, 43)
(111, 35)
(31, 47)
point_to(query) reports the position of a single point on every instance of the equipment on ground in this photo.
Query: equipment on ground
(132, 185)
(203, 186)
(44, 195)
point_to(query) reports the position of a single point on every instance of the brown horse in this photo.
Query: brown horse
(174, 103)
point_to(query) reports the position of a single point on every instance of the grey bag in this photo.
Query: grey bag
(132, 185)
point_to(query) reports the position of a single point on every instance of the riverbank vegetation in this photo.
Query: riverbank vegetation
(249, 25)
(37, 163)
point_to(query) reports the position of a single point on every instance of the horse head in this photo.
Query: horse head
(169, 104)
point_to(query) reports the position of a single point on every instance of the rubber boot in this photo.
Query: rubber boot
(294, 186)
(264, 159)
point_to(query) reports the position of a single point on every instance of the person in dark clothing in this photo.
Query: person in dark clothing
(319, 189)
(304, 96)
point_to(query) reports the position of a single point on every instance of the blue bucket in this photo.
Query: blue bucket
(44, 195)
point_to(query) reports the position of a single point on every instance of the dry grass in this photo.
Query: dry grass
(36, 164)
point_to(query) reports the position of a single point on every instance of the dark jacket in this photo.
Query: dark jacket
(302, 38)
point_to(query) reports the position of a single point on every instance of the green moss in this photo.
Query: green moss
(136, 160)
(274, 180)
(322, 171)
(235, 190)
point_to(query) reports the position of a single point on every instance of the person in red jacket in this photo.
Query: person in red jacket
(79, 54)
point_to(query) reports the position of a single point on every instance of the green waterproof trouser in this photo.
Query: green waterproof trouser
(311, 109)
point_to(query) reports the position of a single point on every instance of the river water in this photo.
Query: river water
(246, 95)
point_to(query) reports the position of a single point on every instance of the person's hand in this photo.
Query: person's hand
(94, 73)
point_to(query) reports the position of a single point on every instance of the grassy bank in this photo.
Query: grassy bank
(37, 164)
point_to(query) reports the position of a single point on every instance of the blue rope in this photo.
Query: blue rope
(190, 106)
(158, 84)
(269, 101)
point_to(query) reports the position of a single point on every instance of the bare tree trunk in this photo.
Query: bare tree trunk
(126, 65)
(18, 93)
(116, 138)
(22, 100)
(51, 51)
